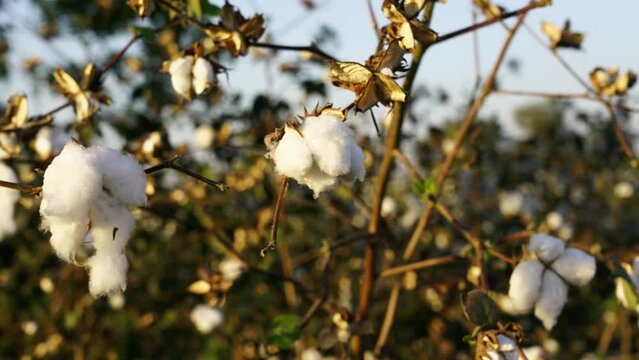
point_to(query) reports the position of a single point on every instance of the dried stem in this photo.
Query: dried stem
(311, 48)
(20, 187)
(170, 164)
(448, 161)
(477, 26)
(621, 138)
(276, 217)
(419, 265)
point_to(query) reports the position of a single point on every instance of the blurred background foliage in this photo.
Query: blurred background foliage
(567, 174)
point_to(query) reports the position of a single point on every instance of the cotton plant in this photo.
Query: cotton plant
(8, 200)
(541, 281)
(86, 194)
(319, 151)
(191, 74)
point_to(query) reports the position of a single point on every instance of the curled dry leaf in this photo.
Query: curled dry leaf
(234, 32)
(143, 8)
(16, 113)
(373, 82)
(610, 82)
(86, 96)
(489, 9)
(404, 27)
(562, 37)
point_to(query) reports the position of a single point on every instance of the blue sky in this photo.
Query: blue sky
(610, 28)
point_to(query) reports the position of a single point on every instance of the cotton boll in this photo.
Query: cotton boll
(292, 156)
(329, 141)
(122, 175)
(525, 284)
(107, 273)
(66, 236)
(180, 70)
(547, 247)
(231, 269)
(203, 75)
(552, 298)
(71, 183)
(311, 354)
(206, 318)
(204, 136)
(576, 266)
(8, 199)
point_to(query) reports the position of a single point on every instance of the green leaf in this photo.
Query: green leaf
(209, 9)
(629, 294)
(479, 308)
(426, 187)
(194, 8)
(285, 330)
(145, 32)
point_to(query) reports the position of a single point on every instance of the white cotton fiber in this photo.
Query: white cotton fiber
(122, 175)
(107, 216)
(107, 273)
(8, 199)
(329, 140)
(552, 298)
(525, 284)
(576, 266)
(203, 75)
(292, 156)
(180, 70)
(547, 247)
(317, 181)
(66, 236)
(231, 269)
(206, 318)
(71, 183)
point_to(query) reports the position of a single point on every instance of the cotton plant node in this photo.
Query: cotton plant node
(93, 204)
(541, 281)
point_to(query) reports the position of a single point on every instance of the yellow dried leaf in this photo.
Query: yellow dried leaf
(16, 112)
(412, 7)
(142, 7)
(234, 31)
(489, 9)
(562, 37)
(349, 75)
(67, 84)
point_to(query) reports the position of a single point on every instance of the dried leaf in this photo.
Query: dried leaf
(142, 7)
(609, 82)
(234, 31)
(489, 9)
(370, 86)
(86, 97)
(16, 113)
(562, 37)
(404, 29)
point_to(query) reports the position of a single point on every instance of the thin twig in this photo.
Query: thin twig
(276, 217)
(170, 164)
(311, 48)
(419, 265)
(621, 138)
(474, 27)
(20, 187)
(371, 14)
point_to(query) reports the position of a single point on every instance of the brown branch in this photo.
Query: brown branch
(419, 265)
(558, 96)
(170, 164)
(475, 27)
(410, 169)
(621, 138)
(461, 134)
(32, 190)
(276, 217)
(311, 48)
(371, 14)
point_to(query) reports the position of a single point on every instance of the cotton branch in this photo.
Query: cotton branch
(170, 164)
(276, 217)
(313, 49)
(444, 171)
